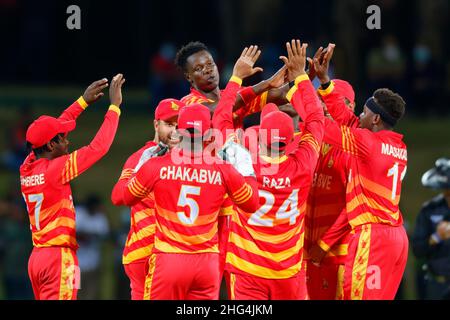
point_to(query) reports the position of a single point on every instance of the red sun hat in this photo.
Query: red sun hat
(268, 108)
(195, 116)
(345, 89)
(279, 128)
(167, 109)
(45, 128)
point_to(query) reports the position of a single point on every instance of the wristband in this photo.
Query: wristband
(247, 94)
(83, 104)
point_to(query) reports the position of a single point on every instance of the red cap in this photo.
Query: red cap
(45, 128)
(345, 89)
(195, 116)
(268, 108)
(168, 108)
(277, 120)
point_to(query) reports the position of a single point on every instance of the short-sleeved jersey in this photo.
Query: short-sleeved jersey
(45, 183)
(140, 239)
(268, 242)
(188, 197)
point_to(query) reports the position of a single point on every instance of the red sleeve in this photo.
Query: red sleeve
(305, 101)
(125, 176)
(227, 207)
(337, 107)
(339, 229)
(141, 184)
(82, 159)
(223, 115)
(355, 141)
(251, 107)
(75, 109)
(243, 191)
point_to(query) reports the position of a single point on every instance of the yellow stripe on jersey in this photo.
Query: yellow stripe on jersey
(188, 239)
(271, 238)
(367, 217)
(261, 271)
(245, 196)
(126, 173)
(140, 215)
(251, 247)
(340, 283)
(309, 138)
(361, 199)
(136, 188)
(359, 270)
(137, 254)
(163, 246)
(200, 221)
(141, 234)
(372, 187)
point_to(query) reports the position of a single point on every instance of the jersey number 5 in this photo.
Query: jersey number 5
(38, 198)
(184, 200)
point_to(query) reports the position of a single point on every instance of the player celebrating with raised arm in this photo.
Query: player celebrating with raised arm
(378, 250)
(265, 248)
(45, 176)
(200, 69)
(189, 186)
(139, 244)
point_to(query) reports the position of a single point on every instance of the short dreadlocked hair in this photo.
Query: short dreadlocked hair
(391, 102)
(188, 50)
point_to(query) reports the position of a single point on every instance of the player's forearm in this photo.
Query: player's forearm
(74, 110)
(252, 203)
(337, 231)
(117, 192)
(304, 99)
(337, 107)
(102, 141)
(223, 115)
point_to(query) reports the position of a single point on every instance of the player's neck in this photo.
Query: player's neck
(212, 95)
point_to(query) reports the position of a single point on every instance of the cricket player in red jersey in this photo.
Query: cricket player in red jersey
(45, 176)
(265, 246)
(378, 250)
(140, 240)
(189, 188)
(200, 69)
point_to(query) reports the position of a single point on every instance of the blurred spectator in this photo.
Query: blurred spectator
(92, 229)
(431, 239)
(386, 66)
(426, 78)
(165, 80)
(15, 152)
(15, 247)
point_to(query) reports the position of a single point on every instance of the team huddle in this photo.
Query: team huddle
(282, 210)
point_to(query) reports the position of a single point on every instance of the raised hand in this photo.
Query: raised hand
(115, 89)
(322, 64)
(244, 65)
(278, 79)
(94, 91)
(296, 59)
(318, 55)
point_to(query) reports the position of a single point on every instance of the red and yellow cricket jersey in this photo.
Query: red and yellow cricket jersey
(140, 240)
(377, 168)
(326, 201)
(188, 195)
(268, 242)
(45, 183)
(253, 106)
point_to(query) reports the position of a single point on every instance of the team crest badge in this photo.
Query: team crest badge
(325, 148)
